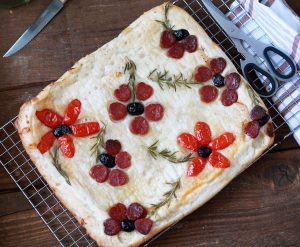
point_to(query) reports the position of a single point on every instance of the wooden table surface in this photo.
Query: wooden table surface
(261, 207)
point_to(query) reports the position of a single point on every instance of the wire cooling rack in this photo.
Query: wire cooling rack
(57, 218)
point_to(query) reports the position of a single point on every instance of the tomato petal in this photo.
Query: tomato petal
(196, 166)
(72, 112)
(218, 160)
(223, 141)
(46, 142)
(188, 141)
(66, 145)
(49, 118)
(85, 129)
(203, 134)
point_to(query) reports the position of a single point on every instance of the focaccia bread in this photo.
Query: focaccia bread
(198, 130)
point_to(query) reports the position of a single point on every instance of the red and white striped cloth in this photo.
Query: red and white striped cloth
(272, 21)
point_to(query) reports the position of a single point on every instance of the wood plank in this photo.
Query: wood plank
(11, 203)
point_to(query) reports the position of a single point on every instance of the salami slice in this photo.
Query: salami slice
(270, 130)
(135, 211)
(143, 91)
(118, 212)
(232, 80)
(154, 112)
(252, 129)
(99, 173)
(229, 97)
(112, 147)
(190, 43)
(111, 227)
(117, 178)
(208, 93)
(139, 126)
(143, 226)
(123, 160)
(123, 93)
(257, 112)
(117, 111)
(176, 51)
(203, 74)
(217, 65)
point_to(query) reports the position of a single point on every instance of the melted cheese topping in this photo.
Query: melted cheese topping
(93, 81)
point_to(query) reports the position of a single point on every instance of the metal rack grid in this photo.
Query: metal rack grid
(58, 219)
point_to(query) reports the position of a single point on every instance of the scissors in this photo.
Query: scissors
(249, 63)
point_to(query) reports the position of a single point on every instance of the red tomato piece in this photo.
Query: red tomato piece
(139, 126)
(203, 74)
(154, 112)
(252, 129)
(228, 97)
(232, 80)
(46, 142)
(117, 111)
(85, 129)
(66, 146)
(208, 93)
(143, 91)
(188, 141)
(135, 211)
(223, 141)
(49, 118)
(111, 227)
(123, 160)
(118, 212)
(123, 93)
(196, 166)
(72, 112)
(190, 43)
(202, 133)
(167, 39)
(117, 178)
(99, 173)
(218, 160)
(143, 226)
(217, 65)
(113, 147)
(176, 51)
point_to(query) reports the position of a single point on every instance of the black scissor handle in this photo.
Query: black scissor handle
(285, 57)
(261, 91)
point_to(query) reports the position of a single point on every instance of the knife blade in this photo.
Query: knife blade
(53, 8)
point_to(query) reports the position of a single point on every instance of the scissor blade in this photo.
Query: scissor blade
(54, 7)
(228, 26)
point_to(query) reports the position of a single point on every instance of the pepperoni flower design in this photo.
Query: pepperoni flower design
(63, 127)
(112, 157)
(153, 112)
(209, 93)
(127, 219)
(206, 148)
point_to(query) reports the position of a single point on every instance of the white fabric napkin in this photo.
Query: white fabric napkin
(273, 22)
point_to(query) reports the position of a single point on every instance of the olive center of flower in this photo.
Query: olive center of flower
(135, 108)
(204, 152)
(62, 129)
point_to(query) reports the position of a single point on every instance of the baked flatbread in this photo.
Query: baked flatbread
(93, 80)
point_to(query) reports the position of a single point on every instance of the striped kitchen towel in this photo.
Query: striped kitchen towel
(273, 22)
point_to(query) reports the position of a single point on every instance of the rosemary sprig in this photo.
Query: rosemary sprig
(131, 68)
(174, 81)
(99, 142)
(166, 22)
(57, 165)
(253, 95)
(167, 196)
(167, 154)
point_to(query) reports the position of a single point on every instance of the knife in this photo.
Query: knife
(54, 7)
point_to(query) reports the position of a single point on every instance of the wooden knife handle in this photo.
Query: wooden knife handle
(63, 1)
